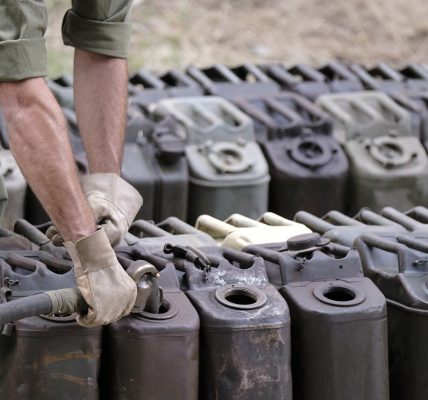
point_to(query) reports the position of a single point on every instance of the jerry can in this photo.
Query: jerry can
(387, 164)
(243, 80)
(339, 228)
(285, 114)
(338, 320)
(302, 154)
(45, 357)
(311, 82)
(238, 231)
(146, 235)
(397, 265)
(227, 170)
(245, 342)
(154, 163)
(154, 354)
(394, 83)
(146, 88)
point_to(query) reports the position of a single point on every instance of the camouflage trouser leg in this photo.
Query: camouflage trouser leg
(98, 26)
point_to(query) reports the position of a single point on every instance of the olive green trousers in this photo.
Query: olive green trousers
(99, 26)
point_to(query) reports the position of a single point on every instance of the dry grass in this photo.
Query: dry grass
(170, 33)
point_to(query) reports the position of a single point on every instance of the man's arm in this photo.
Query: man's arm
(101, 94)
(39, 141)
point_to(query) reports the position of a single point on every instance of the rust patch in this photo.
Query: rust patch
(70, 378)
(53, 358)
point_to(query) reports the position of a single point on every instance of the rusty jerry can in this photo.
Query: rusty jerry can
(245, 342)
(340, 228)
(154, 354)
(45, 358)
(312, 82)
(303, 156)
(243, 80)
(238, 231)
(388, 165)
(397, 265)
(338, 320)
(228, 172)
(154, 163)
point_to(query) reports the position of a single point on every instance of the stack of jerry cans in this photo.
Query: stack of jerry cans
(153, 238)
(154, 354)
(387, 162)
(303, 156)
(227, 169)
(243, 80)
(338, 320)
(397, 265)
(245, 326)
(154, 163)
(238, 231)
(342, 229)
(45, 357)
(312, 82)
(146, 88)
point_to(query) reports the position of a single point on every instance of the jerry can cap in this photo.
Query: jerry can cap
(305, 242)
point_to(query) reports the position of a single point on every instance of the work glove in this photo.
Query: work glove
(115, 204)
(107, 289)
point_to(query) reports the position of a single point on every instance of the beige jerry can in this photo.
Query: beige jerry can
(239, 231)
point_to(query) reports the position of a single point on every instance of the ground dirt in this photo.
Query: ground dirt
(174, 33)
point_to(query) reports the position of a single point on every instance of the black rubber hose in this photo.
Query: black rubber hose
(25, 307)
(55, 302)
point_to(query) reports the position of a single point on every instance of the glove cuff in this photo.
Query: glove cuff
(91, 253)
(116, 190)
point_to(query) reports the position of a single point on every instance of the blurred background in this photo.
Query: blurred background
(174, 33)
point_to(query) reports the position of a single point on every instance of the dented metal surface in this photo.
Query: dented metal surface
(338, 319)
(245, 337)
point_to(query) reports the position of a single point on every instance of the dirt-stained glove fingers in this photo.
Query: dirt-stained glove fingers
(54, 236)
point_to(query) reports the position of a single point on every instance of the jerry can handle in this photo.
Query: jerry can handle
(369, 217)
(313, 222)
(339, 218)
(309, 73)
(400, 218)
(146, 228)
(177, 226)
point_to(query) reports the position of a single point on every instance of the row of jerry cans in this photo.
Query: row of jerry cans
(393, 248)
(303, 144)
(290, 319)
(199, 155)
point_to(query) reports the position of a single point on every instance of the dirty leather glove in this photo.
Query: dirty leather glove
(115, 204)
(105, 286)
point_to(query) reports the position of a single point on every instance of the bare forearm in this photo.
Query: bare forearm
(39, 142)
(100, 87)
